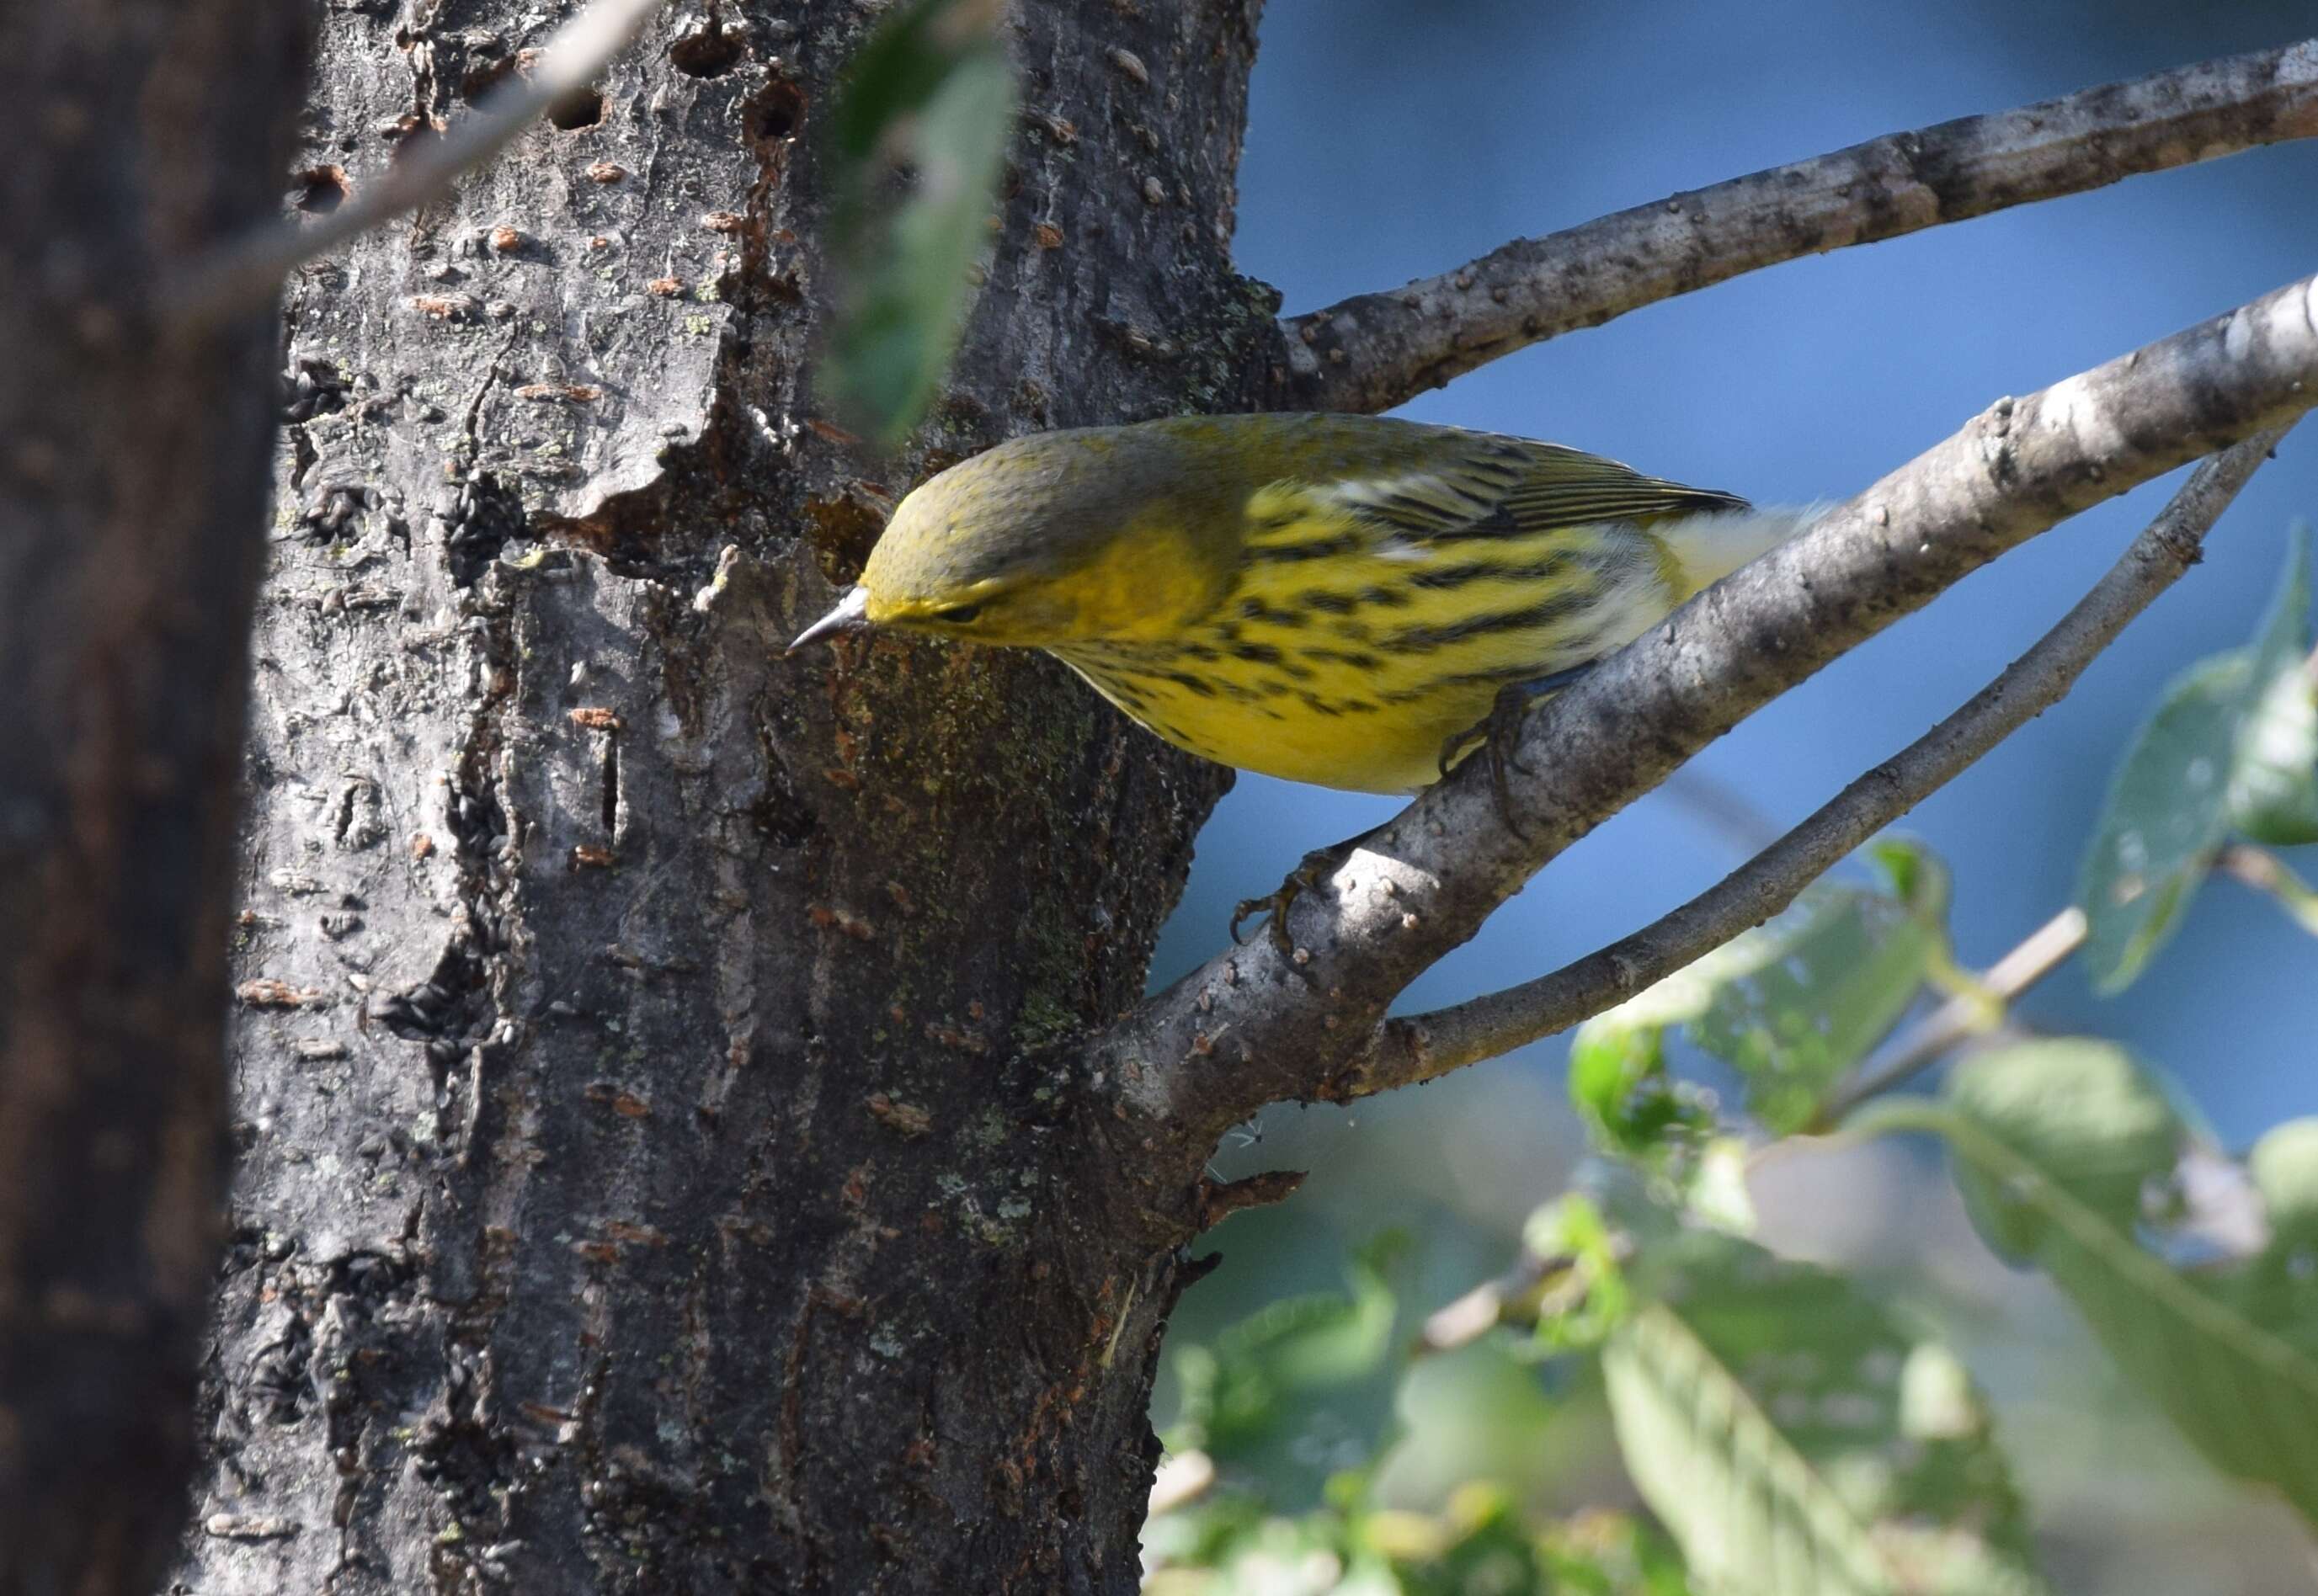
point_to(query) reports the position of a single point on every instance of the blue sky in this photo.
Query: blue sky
(1390, 140)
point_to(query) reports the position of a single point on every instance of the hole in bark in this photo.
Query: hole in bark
(581, 108)
(780, 816)
(484, 76)
(321, 189)
(772, 117)
(710, 53)
(484, 516)
(611, 784)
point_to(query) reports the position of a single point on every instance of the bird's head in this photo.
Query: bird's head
(1042, 541)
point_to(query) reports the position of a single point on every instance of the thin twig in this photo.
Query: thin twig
(1184, 1477)
(1732, 816)
(244, 275)
(1308, 1020)
(2265, 871)
(1374, 351)
(1963, 1016)
(1970, 1014)
(1486, 1027)
(1513, 1297)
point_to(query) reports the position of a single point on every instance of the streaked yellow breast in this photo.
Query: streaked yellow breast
(1348, 658)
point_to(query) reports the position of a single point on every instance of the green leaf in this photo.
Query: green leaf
(1799, 1441)
(2284, 639)
(2222, 749)
(1477, 1545)
(2077, 1108)
(931, 94)
(2228, 1350)
(1585, 1298)
(1237, 1391)
(2167, 808)
(1606, 1554)
(1793, 1005)
(2284, 1165)
(1618, 1082)
(2273, 791)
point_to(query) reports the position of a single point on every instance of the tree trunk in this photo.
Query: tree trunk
(664, 1166)
(132, 472)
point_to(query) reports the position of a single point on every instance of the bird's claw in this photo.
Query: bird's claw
(1499, 734)
(1316, 865)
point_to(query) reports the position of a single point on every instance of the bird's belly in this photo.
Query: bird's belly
(1350, 739)
(1358, 678)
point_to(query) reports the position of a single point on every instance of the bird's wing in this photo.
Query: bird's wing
(1484, 487)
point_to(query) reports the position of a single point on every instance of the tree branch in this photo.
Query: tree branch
(2265, 871)
(243, 275)
(1375, 351)
(1424, 1045)
(1962, 1016)
(1254, 1025)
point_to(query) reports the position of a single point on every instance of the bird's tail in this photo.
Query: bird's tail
(1711, 546)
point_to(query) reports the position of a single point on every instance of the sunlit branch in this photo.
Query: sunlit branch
(1378, 350)
(1257, 1025)
(1424, 1046)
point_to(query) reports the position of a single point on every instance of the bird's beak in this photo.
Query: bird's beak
(851, 614)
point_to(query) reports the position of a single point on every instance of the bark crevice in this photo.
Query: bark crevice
(680, 1179)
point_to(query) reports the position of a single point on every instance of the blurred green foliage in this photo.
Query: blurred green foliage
(918, 140)
(2228, 747)
(2071, 1158)
(1785, 1429)
(1793, 1005)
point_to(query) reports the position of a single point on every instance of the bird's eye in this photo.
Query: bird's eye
(959, 615)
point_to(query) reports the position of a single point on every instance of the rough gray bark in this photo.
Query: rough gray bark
(131, 492)
(655, 1174)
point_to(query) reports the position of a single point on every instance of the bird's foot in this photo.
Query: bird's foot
(1499, 733)
(1316, 867)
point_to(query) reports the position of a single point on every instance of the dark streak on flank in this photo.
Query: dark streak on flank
(1424, 640)
(1357, 658)
(1551, 568)
(1265, 654)
(1337, 707)
(1497, 523)
(1324, 548)
(1344, 604)
(1497, 677)
(1255, 610)
(1199, 686)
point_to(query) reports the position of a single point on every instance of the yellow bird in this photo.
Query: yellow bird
(1336, 599)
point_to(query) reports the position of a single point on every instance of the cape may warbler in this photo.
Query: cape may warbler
(1329, 598)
